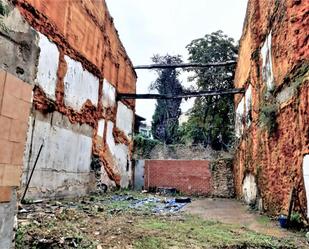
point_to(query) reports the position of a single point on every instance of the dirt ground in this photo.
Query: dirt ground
(231, 211)
(134, 220)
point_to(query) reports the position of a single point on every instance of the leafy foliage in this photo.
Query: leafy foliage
(211, 120)
(143, 146)
(165, 119)
(4, 11)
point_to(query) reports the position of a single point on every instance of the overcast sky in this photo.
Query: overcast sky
(148, 27)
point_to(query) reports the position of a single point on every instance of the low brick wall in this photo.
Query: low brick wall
(198, 177)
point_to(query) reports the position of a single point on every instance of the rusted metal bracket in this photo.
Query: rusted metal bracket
(181, 96)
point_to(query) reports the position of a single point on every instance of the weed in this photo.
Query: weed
(268, 116)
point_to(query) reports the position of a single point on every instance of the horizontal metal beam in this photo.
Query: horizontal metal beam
(186, 65)
(181, 96)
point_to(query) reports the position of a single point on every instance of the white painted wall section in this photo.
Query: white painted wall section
(110, 140)
(306, 179)
(240, 112)
(64, 162)
(249, 189)
(267, 67)
(79, 85)
(124, 118)
(124, 163)
(248, 99)
(109, 95)
(48, 66)
(101, 126)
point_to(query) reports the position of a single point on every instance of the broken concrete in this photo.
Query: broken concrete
(19, 45)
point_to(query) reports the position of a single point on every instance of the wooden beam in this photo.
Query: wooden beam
(181, 96)
(186, 65)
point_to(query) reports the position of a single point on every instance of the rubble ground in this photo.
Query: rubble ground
(131, 220)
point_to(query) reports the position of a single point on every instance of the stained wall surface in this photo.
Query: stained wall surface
(273, 116)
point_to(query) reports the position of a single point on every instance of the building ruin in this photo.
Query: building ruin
(62, 67)
(272, 121)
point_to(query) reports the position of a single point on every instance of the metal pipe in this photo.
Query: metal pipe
(35, 163)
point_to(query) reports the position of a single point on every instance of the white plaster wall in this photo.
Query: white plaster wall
(249, 189)
(79, 85)
(101, 125)
(120, 153)
(240, 111)
(124, 118)
(267, 68)
(48, 66)
(248, 99)
(110, 141)
(123, 161)
(64, 163)
(306, 179)
(109, 94)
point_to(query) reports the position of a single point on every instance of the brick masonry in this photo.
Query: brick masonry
(194, 177)
(273, 62)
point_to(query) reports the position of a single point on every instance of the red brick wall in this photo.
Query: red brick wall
(190, 177)
(15, 104)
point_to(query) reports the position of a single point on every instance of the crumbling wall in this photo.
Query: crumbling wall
(272, 117)
(72, 56)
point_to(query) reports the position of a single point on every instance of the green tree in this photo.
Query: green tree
(165, 126)
(211, 120)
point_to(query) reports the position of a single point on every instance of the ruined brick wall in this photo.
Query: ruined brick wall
(71, 55)
(198, 177)
(272, 118)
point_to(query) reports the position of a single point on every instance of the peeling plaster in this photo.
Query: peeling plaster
(306, 179)
(101, 125)
(80, 85)
(65, 157)
(124, 119)
(110, 141)
(109, 95)
(249, 189)
(248, 99)
(240, 110)
(48, 66)
(267, 67)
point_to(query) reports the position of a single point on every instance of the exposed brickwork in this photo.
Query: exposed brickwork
(198, 177)
(275, 157)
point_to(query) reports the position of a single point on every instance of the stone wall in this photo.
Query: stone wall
(194, 177)
(272, 117)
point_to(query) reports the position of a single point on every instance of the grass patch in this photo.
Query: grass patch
(263, 220)
(193, 232)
